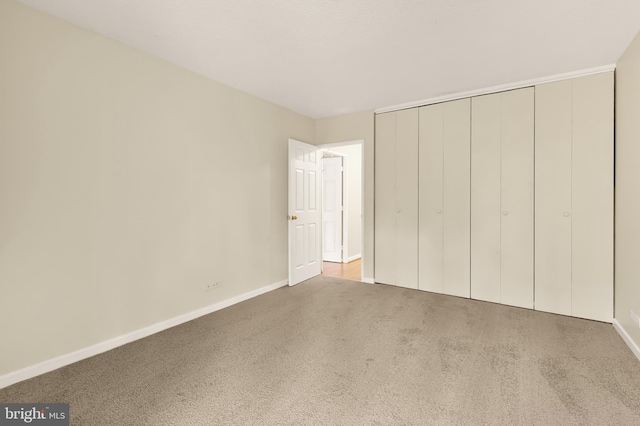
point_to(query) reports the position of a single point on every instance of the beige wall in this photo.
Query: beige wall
(354, 197)
(126, 184)
(627, 191)
(348, 128)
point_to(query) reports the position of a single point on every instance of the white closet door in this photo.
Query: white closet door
(444, 194)
(553, 197)
(516, 275)
(592, 259)
(385, 199)
(406, 256)
(457, 193)
(431, 154)
(485, 197)
(502, 198)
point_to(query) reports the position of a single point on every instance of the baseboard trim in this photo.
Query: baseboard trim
(627, 339)
(66, 359)
(355, 257)
(500, 88)
(368, 280)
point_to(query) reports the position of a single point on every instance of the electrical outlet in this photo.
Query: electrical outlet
(635, 318)
(211, 285)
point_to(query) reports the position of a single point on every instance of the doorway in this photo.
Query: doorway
(348, 263)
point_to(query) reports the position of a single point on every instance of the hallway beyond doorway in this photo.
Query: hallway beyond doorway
(349, 271)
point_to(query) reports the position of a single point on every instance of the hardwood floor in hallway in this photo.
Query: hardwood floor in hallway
(349, 271)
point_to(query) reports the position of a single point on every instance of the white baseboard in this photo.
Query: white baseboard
(627, 339)
(354, 257)
(368, 280)
(66, 359)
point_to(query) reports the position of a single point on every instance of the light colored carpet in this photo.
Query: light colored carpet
(336, 352)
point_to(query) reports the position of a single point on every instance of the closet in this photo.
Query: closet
(444, 204)
(502, 156)
(455, 211)
(396, 198)
(574, 197)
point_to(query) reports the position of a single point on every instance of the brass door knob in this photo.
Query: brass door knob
(294, 217)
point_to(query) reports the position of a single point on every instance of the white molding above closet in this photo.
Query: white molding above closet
(499, 88)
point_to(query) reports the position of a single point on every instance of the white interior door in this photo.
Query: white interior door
(502, 198)
(574, 197)
(456, 189)
(385, 199)
(592, 197)
(444, 197)
(332, 209)
(553, 197)
(486, 119)
(406, 167)
(304, 212)
(516, 231)
(431, 198)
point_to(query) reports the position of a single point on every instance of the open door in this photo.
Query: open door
(332, 209)
(305, 252)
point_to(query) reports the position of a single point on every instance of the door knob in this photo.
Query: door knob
(438, 211)
(294, 217)
(398, 211)
(505, 212)
(565, 214)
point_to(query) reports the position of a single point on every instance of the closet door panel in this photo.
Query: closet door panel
(517, 198)
(592, 262)
(385, 195)
(553, 197)
(457, 194)
(406, 258)
(485, 197)
(431, 198)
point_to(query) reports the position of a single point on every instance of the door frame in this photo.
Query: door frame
(359, 142)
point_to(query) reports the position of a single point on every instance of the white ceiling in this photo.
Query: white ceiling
(329, 57)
